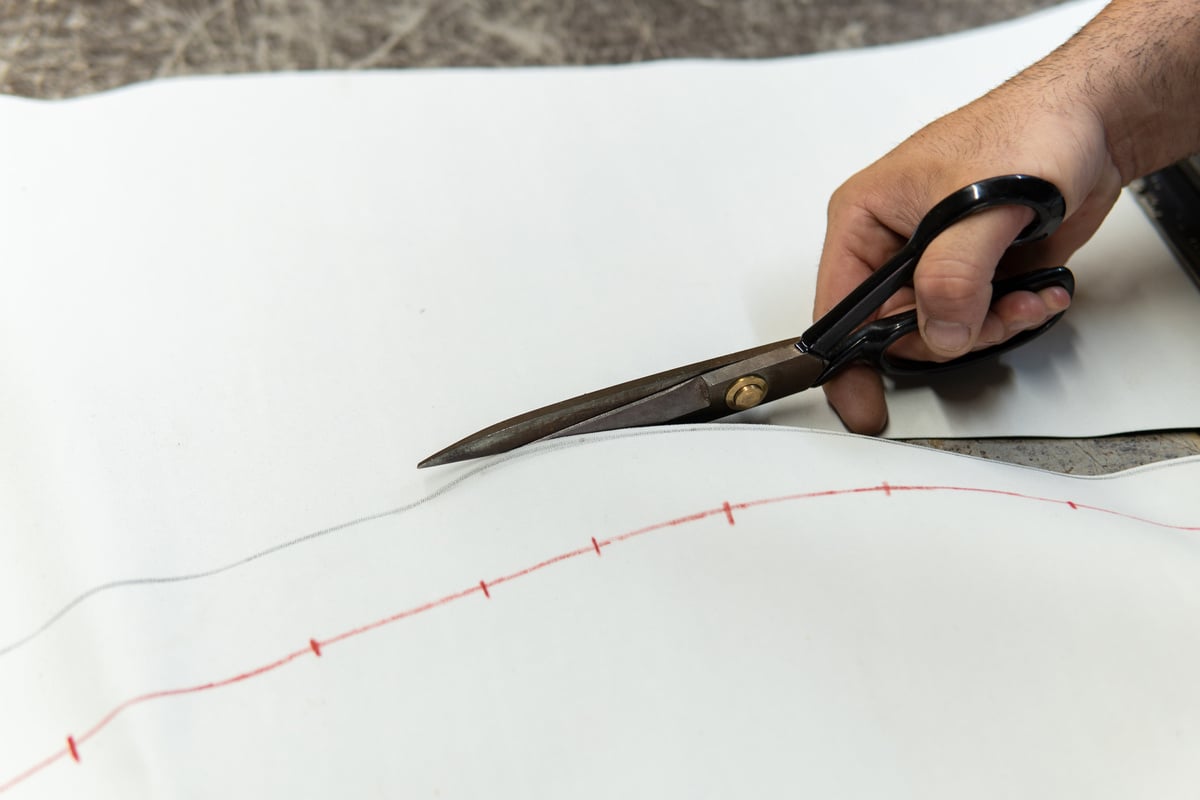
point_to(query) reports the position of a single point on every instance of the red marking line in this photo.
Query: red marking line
(726, 510)
(521, 573)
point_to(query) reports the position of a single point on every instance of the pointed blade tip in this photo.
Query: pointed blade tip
(439, 459)
(469, 448)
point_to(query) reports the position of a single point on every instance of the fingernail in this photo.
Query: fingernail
(948, 337)
(1021, 327)
(992, 331)
(1056, 298)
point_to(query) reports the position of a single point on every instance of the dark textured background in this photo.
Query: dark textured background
(54, 49)
(60, 49)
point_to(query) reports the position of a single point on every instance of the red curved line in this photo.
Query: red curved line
(316, 646)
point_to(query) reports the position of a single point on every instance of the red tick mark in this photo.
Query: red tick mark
(596, 545)
(887, 490)
(728, 512)
(486, 593)
(315, 645)
(1072, 505)
(72, 748)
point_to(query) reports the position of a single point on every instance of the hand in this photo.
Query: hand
(874, 212)
(1117, 101)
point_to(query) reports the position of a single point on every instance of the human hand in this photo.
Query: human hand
(874, 212)
(1117, 101)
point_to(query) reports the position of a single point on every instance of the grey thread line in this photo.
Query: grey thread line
(545, 447)
(275, 548)
(529, 451)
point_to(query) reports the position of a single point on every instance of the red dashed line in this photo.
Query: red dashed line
(726, 510)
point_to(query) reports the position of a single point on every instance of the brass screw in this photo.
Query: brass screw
(746, 392)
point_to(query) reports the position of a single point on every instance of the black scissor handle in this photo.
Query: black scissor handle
(870, 343)
(828, 334)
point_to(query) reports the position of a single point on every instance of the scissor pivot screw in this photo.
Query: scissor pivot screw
(746, 392)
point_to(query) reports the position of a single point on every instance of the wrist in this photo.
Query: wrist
(1137, 68)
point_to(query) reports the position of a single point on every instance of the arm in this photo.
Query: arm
(1120, 99)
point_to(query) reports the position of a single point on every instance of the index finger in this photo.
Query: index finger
(856, 242)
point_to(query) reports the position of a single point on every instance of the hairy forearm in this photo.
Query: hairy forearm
(1137, 67)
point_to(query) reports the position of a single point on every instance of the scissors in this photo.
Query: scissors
(711, 389)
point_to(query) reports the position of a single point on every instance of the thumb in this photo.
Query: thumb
(953, 280)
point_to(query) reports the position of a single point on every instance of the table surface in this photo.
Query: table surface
(55, 49)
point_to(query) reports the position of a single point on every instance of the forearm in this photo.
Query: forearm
(1137, 67)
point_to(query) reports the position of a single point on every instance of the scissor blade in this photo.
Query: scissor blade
(693, 393)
